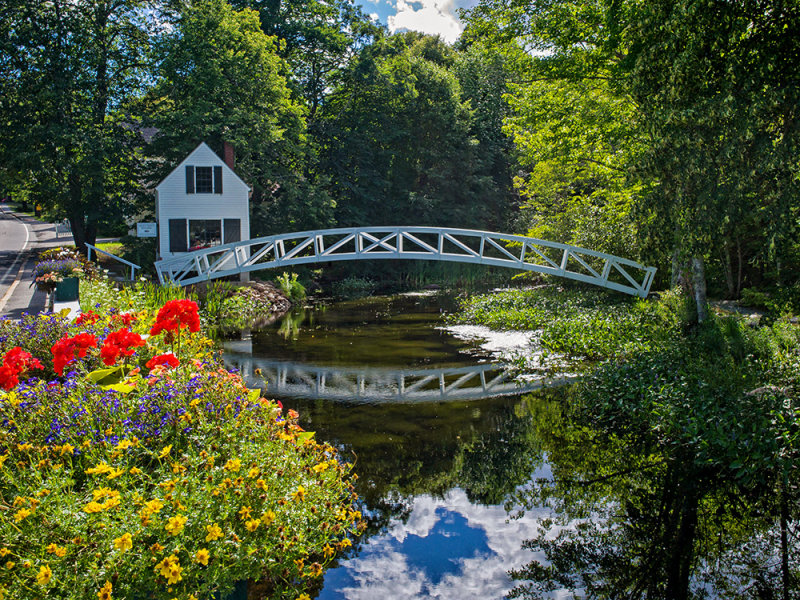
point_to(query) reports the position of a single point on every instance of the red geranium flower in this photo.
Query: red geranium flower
(67, 349)
(166, 360)
(119, 343)
(88, 317)
(15, 362)
(20, 361)
(8, 378)
(125, 319)
(176, 314)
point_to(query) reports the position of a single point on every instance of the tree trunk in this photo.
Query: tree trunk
(699, 288)
(727, 266)
(785, 573)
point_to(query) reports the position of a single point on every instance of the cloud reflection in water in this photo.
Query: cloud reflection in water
(448, 549)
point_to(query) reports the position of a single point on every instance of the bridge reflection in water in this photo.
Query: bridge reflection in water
(299, 380)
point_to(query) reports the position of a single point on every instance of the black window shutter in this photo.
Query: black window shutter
(177, 235)
(232, 230)
(217, 180)
(190, 180)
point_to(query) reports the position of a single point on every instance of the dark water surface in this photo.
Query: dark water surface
(448, 451)
(435, 461)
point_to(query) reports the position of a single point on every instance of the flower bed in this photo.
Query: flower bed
(58, 264)
(133, 465)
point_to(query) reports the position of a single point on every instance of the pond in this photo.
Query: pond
(466, 475)
(437, 431)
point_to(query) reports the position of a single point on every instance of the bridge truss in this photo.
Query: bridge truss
(375, 385)
(414, 243)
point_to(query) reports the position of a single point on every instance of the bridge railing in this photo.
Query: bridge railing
(299, 380)
(410, 243)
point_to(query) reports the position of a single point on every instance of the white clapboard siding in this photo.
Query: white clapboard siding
(172, 201)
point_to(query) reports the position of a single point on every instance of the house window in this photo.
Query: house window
(203, 180)
(204, 233)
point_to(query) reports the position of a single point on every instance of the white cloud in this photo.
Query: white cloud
(383, 570)
(428, 16)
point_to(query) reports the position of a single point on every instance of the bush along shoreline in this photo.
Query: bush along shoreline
(711, 414)
(134, 465)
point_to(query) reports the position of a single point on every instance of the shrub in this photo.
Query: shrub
(291, 288)
(351, 288)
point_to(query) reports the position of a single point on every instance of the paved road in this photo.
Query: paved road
(14, 240)
(21, 237)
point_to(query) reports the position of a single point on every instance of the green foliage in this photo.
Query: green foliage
(353, 287)
(396, 133)
(648, 451)
(70, 68)
(291, 288)
(221, 80)
(316, 39)
(227, 306)
(181, 482)
(578, 323)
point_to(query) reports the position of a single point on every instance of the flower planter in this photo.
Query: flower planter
(67, 290)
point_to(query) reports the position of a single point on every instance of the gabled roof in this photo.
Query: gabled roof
(203, 156)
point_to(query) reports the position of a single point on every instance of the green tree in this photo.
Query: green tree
(396, 140)
(221, 80)
(67, 71)
(316, 38)
(713, 113)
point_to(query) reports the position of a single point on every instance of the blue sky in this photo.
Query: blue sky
(429, 16)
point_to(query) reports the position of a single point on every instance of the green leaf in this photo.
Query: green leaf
(101, 375)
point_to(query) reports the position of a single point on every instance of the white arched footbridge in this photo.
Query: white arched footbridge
(414, 243)
(374, 385)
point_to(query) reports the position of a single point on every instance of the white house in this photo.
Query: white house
(201, 203)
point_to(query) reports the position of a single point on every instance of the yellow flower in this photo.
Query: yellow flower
(262, 485)
(168, 485)
(105, 592)
(152, 507)
(99, 469)
(10, 564)
(135, 471)
(178, 468)
(124, 444)
(24, 447)
(267, 518)
(44, 575)
(314, 570)
(214, 532)
(253, 473)
(3, 459)
(59, 551)
(319, 468)
(21, 514)
(101, 493)
(304, 596)
(244, 512)
(328, 551)
(113, 473)
(252, 524)
(202, 557)
(170, 569)
(4, 552)
(164, 451)
(233, 464)
(175, 524)
(345, 543)
(67, 449)
(300, 494)
(124, 542)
